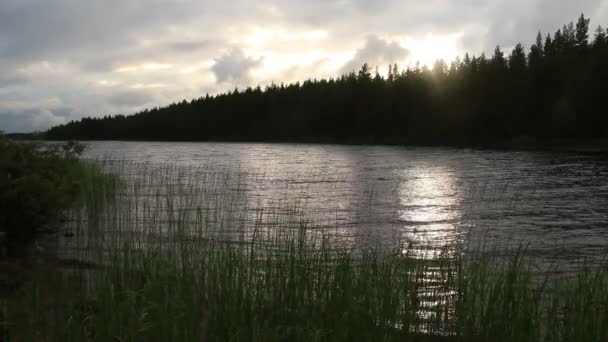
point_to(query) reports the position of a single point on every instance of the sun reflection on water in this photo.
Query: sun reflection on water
(429, 209)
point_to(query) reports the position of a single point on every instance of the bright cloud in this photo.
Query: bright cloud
(431, 48)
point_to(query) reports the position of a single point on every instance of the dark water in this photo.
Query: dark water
(556, 204)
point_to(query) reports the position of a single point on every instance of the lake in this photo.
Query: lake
(554, 204)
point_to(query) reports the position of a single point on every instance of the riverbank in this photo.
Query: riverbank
(522, 144)
(597, 146)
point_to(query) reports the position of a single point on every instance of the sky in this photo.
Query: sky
(62, 60)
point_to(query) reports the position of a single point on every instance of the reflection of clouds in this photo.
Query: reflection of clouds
(429, 206)
(301, 183)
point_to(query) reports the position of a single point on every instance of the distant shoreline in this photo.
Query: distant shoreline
(562, 145)
(571, 146)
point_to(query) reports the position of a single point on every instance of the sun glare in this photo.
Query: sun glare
(431, 48)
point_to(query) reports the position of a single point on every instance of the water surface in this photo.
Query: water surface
(556, 204)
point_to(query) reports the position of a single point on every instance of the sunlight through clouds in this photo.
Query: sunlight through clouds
(147, 85)
(267, 36)
(107, 83)
(432, 47)
(144, 67)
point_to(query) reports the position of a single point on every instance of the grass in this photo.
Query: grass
(187, 257)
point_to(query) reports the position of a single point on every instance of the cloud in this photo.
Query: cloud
(235, 67)
(132, 98)
(46, 118)
(191, 46)
(15, 103)
(30, 120)
(11, 80)
(376, 52)
(69, 50)
(519, 20)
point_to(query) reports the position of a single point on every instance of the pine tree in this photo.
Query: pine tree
(498, 59)
(582, 32)
(549, 50)
(364, 73)
(569, 36)
(558, 42)
(466, 62)
(536, 52)
(600, 38)
(440, 68)
(517, 59)
(390, 78)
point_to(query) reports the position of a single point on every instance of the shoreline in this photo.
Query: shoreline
(599, 146)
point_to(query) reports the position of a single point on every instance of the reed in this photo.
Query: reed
(185, 255)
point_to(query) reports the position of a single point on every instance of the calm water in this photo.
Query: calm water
(555, 203)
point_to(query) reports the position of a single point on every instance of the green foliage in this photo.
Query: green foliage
(37, 182)
(249, 293)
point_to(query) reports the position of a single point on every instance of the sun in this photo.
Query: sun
(431, 48)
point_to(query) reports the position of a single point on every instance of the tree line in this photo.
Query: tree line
(555, 90)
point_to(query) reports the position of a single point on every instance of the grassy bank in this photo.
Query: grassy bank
(226, 292)
(39, 182)
(183, 256)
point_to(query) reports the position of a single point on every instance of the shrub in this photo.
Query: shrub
(37, 182)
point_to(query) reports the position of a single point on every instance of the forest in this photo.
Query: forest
(553, 90)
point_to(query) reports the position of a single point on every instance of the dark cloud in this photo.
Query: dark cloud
(45, 29)
(519, 20)
(132, 98)
(41, 29)
(62, 112)
(193, 46)
(28, 120)
(376, 52)
(11, 81)
(235, 67)
(98, 65)
(16, 122)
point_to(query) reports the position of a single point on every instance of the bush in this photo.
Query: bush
(37, 182)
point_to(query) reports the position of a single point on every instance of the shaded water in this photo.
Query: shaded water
(554, 203)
